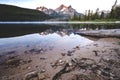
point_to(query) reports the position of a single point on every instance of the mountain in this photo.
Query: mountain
(50, 12)
(61, 12)
(14, 13)
(67, 11)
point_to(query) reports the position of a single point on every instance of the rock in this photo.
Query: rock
(11, 52)
(47, 75)
(41, 76)
(96, 52)
(28, 67)
(58, 63)
(31, 75)
(42, 71)
(36, 66)
(105, 73)
(69, 63)
(32, 50)
(96, 45)
(26, 52)
(77, 47)
(27, 46)
(52, 64)
(29, 61)
(99, 72)
(42, 58)
(13, 62)
(63, 54)
(69, 54)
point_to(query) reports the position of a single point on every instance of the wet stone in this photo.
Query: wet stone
(28, 67)
(77, 47)
(42, 71)
(12, 62)
(96, 45)
(63, 54)
(28, 46)
(30, 75)
(11, 52)
(69, 54)
(58, 63)
(41, 76)
(43, 58)
(96, 52)
(29, 61)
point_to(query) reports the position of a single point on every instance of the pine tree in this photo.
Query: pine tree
(102, 15)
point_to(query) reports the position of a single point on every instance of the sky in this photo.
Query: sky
(79, 5)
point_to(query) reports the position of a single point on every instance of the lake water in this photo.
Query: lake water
(25, 36)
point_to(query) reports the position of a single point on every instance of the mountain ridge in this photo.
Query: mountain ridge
(61, 12)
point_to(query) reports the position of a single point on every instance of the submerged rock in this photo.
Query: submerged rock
(41, 76)
(63, 54)
(30, 75)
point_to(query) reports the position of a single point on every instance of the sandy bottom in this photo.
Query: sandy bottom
(99, 60)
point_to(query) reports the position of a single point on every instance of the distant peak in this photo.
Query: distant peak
(63, 8)
(41, 8)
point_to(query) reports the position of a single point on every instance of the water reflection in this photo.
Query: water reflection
(23, 37)
(58, 40)
(10, 30)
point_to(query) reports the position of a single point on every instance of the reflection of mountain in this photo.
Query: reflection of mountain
(61, 12)
(14, 13)
(61, 32)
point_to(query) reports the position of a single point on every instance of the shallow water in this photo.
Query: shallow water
(58, 40)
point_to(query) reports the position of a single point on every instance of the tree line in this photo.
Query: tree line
(114, 14)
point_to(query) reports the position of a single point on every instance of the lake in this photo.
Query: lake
(47, 35)
(31, 50)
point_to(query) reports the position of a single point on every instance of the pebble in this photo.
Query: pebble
(47, 75)
(63, 54)
(28, 67)
(99, 72)
(70, 64)
(77, 47)
(42, 71)
(30, 75)
(69, 54)
(61, 62)
(42, 58)
(96, 52)
(41, 76)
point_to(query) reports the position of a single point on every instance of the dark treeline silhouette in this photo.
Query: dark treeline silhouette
(114, 14)
(14, 13)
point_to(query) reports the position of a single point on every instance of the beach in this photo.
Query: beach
(98, 60)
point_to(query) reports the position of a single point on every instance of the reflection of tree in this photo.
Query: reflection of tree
(71, 28)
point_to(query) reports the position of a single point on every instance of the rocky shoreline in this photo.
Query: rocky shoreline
(99, 60)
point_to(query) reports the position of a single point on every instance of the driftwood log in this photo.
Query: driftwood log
(100, 33)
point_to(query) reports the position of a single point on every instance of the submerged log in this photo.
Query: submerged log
(100, 33)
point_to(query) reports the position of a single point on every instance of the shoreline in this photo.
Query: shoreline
(60, 22)
(79, 62)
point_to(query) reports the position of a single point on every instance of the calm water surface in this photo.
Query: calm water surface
(58, 40)
(25, 36)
